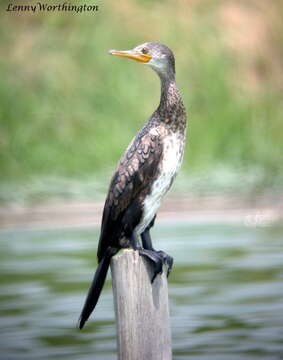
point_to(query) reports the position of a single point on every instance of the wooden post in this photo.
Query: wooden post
(141, 308)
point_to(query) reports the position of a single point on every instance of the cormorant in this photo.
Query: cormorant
(143, 176)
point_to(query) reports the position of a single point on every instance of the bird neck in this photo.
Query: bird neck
(171, 105)
(168, 89)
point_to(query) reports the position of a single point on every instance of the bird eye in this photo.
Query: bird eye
(144, 50)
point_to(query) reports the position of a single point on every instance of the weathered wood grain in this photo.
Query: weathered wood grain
(141, 308)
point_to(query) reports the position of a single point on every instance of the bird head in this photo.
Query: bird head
(154, 54)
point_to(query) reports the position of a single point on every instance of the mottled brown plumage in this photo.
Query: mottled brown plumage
(129, 186)
(144, 174)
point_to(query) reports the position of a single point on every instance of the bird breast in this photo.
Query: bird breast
(169, 165)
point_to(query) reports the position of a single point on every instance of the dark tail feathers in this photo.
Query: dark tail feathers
(94, 290)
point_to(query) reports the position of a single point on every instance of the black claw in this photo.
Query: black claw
(167, 260)
(158, 258)
(158, 269)
(154, 276)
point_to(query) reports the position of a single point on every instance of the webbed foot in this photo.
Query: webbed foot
(158, 258)
(167, 260)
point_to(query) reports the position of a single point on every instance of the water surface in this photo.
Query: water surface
(226, 293)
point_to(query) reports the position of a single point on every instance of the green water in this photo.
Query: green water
(226, 293)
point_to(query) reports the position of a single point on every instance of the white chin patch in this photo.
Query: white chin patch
(157, 64)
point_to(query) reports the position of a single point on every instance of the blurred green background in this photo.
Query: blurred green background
(68, 110)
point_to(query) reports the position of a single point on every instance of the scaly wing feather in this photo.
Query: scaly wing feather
(137, 167)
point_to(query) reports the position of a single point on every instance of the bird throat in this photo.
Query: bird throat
(171, 108)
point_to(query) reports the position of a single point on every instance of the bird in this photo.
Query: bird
(143, 176)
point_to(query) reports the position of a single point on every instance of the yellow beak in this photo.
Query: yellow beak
(131, 54)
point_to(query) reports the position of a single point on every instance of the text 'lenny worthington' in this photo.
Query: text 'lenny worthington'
(44, 7)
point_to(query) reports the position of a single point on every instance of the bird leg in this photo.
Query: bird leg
(147, 244)
(152, 255)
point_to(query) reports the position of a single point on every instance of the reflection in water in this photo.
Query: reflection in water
(226, 293)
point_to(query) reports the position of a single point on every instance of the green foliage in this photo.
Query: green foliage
(67, 108)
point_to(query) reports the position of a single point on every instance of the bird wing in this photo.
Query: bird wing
(129, 183)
